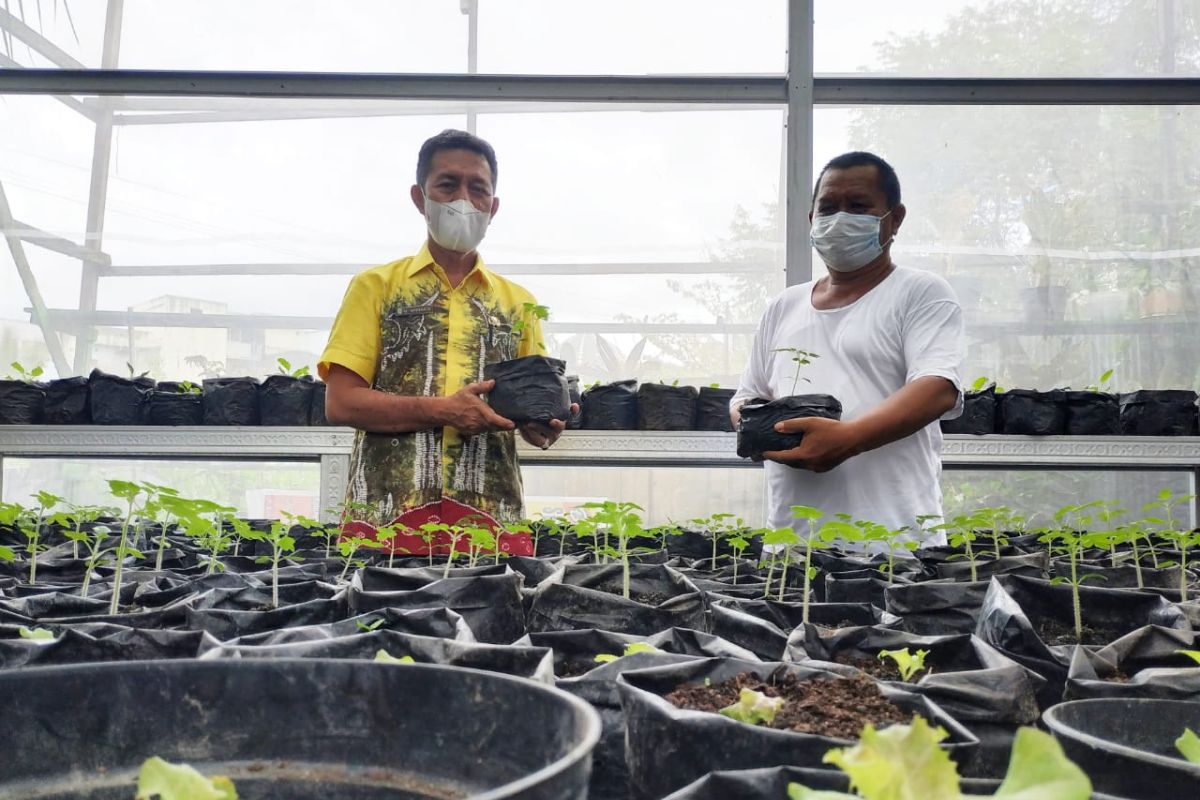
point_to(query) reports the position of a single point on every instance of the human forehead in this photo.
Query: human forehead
(858, 181)
(459, 163)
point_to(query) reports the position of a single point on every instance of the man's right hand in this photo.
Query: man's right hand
(467, 412)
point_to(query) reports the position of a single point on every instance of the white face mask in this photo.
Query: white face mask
(457, 225)
(847, 242)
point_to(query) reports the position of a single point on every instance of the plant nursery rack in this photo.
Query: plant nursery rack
(330, 447)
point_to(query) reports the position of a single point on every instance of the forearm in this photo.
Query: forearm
(905, 412)
(379, 412)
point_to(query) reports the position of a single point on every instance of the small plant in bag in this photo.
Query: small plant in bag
(285, 368)
(802, 359)
(619, 520)
(166, 781)
(1072, 538)
(754, 708)
(131, 493)
(630, 649)
(19, 373)
(908, 663)
(31, 523)
(1188, 745)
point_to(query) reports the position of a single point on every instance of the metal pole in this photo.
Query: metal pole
(89, 281)
(471, 9)
(799, 151)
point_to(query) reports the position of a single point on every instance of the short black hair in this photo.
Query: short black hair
(860, 158)
(451, 139)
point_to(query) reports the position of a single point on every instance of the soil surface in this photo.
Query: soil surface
(883, 669)
(1053, 632)
(574, 669)
(829, 630)
(651, 599)
(836, 707)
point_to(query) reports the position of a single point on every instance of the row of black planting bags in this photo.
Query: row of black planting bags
(103, 399)
(1026, 412)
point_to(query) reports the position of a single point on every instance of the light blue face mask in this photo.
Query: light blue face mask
(847, 242)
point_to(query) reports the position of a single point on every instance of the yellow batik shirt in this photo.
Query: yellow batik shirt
(407, 331)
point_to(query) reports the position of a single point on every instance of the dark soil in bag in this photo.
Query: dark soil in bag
(978, 415)
(1165, 412)
(712, 409)
(699, 743)
(490, 603)
(68, 402)
(118, 401)
(529, 389)
(666, 408)
(1026, 412)
(21, 403)
(575, 420)
(231, 401)
(590, 596)
(611, 407)
(756, 430)
(1145, 663)
(1092, 414)
(284, 400)
(173, 408)
(316, 409)
(1030, 621)
(936, 608)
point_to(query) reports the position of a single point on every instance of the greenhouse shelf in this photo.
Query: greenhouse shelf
(331, 448)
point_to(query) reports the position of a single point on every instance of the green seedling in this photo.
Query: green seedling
(776, 541)
(31, 525)
(367, 627)
(819, 538)
(1194, 655)
(187, 387)
(893, 542)
(908, 663)
(278, 535)
(1104, 384)
(962, 533)
(384, 534)
(285, 368)
(717, 528)
(1181, 535)
(166, 781)
(9, 514)
(19, 373)
(387, 658)
(73, 521)
(165, 505)
(754, 708)
(479, 541)
(131, 493)
(93, 542)
(1188, 745)
(40, 635)
(630, 649)
(1072, 538)
(905, 762)
(134, 374)
(531, 311)
(1161, 512)
(622, 522)
(738, 545)
(348, 548)
(802, 359)
(996, 521)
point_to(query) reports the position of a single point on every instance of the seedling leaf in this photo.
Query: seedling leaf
(753, 708)
(1192, 654)
(1189, 745)
(388, 658)
(1039, 770)
(902, 761)
(35, 634)
(908, 663)
(167, 781)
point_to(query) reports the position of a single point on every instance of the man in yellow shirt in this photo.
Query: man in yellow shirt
(404, 363)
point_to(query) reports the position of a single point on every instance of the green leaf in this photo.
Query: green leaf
(606, 658)
(754, 707)
(1192, 654)
(1039, 770)
(1189, 745)
(126, 490)
(369, 626)
(36, 634)
(902, 762)
(908, 663)
(7, 554)
(806, 512)
(388, 658)
(168, 781)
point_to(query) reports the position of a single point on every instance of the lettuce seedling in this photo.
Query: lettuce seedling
(385, 657)
(904, 762)
(908, 663)
(166, 781)
(630, 649)
(1188, 745)
(754, 708)
(39, 635)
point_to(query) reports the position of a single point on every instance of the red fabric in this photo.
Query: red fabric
(408, 539)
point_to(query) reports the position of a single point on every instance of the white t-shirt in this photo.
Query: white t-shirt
(908, 327)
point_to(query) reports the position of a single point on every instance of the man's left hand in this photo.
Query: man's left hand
(542, 436)
(826, 443)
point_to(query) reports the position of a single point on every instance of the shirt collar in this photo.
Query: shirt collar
(424, 260)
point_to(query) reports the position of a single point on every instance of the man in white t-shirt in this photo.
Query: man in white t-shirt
(889, 342)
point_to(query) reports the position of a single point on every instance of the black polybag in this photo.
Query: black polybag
(440, 622)
(118, 401)
(1144, 663)
(67, 402)
(226, 623)
(699, 742)
(175, 408)
(285, 400)
(771, 783)
(611, 407)
(936, 607)
(316, 409)
(488, 598)
(529, 389)
(21, 403)
(978, 416)
(1027, 412)
(1014, 606)
(712, 409)
(1092, 414)
(756, 430)
(762, 626)
(74, 646)
(666, 408)
(589, 596)
(231, 401)
(575, 420)
(1164, 412)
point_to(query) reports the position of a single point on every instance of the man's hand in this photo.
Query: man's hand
(467, 412)
(826, 443)
(543, 436)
